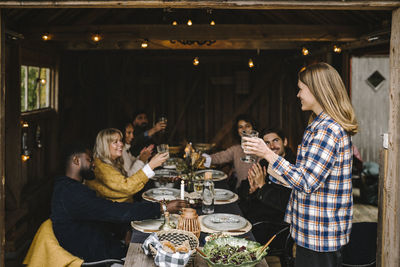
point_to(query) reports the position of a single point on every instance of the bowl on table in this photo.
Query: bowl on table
(232, 251)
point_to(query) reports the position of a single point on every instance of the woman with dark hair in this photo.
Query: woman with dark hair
(243, 123)
(133, 164)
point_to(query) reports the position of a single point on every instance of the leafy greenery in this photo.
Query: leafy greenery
(35, 88)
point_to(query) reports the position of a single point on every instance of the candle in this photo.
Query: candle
(182, 189)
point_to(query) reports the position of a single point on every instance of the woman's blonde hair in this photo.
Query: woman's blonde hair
(102, 148)
(328, 89)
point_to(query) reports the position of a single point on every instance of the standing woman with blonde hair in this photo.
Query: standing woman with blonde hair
(111, 180)
(320, 208)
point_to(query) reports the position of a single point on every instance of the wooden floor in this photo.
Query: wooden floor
(361, 213)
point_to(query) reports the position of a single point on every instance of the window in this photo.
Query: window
(35, 88)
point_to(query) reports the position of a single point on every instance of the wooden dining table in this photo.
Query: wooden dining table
(136, 257)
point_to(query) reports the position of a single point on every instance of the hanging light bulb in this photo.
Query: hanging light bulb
(96, 37)
(42, 81)
(145, 44)
(251, 63)
(189, 23)
(196, 61)
(46, 37)
(304, 51)
(25, 157)
(212, 23)
(174, 23)
(25, 124)
(337, 49)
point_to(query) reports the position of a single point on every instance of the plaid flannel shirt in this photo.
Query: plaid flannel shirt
(320, 208)
(163, 258)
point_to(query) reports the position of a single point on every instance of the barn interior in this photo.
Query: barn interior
(71, 72)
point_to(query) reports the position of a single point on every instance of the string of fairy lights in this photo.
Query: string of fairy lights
(97, 37)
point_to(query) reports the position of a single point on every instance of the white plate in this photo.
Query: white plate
(152, 225)
(224, 221)
(216, 174)
(163, 193)
(223, 194)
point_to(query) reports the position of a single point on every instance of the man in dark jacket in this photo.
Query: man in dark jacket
(82, 221)
(260, 198)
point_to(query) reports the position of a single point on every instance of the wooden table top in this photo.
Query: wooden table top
(136, 258)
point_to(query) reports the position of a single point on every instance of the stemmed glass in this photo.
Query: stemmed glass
(248, 158)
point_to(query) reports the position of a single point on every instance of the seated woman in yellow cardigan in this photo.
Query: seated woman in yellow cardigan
(111, 180)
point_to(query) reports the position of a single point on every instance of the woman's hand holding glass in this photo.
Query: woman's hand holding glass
(256, 146)
(158, 160)
(251, 134)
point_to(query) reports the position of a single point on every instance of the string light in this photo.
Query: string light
(96, 37)
(189, 23)
(174, 23)
(25, 157)
(337, 49)
(46, 37)
(196, 61)
(212, 23)
(304, 51)
(42, 81)
(25, 124)
(145, 44)
(251, 63)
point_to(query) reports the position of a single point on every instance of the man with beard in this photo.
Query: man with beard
(143, 136)
(82, 221)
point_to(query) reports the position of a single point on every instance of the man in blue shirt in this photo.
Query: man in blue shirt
(82, 221)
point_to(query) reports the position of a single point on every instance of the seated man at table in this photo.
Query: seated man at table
(143, 134)
(82, 221)
(260, 198)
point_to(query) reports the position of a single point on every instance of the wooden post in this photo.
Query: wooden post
(391, 201)
(2, 142)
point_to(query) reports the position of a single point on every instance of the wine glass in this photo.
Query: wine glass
(248, 158)
(162, 148)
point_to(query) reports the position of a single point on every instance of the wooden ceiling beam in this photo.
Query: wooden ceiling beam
(221, 4)
(163, 44)
(301, 33)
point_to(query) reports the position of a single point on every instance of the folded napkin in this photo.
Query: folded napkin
(224, 220)
(163, 258)
(162, 192)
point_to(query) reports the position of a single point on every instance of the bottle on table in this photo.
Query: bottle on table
(208, 194)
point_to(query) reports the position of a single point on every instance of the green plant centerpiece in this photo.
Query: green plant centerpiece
(233, 251)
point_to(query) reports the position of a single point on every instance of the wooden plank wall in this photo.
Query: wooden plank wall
(103, 89)
(389, 243)
(2, 140)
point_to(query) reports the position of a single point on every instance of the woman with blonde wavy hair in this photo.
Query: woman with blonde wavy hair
(320, 207)
(111, 180)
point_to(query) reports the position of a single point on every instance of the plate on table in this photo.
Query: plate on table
(171, 163)
(152, 225)
(223, 194)
(224, 221)
(162, 193)
(164, 173)
(216, 174)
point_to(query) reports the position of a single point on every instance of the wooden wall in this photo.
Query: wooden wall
(100, 89)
